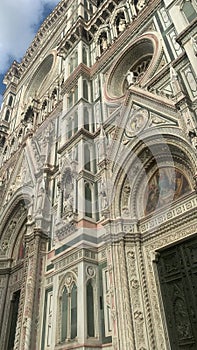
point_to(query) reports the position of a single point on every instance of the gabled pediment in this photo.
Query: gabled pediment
(143, 111)
(18, 175)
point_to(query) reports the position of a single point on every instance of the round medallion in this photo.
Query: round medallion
(136, 123)
(90, 271)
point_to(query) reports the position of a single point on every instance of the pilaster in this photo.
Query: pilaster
(33, 271)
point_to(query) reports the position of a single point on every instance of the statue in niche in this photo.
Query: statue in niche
(68, 203)
(67, 195)
(140, 4)
(121, 25)
(130, 78)
(190, 128)
(192, 133)
(54, 98)
(125, 198)
(103, 44)
(44, 109)
(102, 144)
(104, 200)
(176, 85)
(41, 197)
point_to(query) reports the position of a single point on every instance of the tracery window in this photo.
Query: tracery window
(7, 115)
(90, 309)
(88, 200)
(86, 119)
(10, 101)
(73, 97)
(85, 89)
(72, 124)
(73, 61)
(69, 312)
(85, 55)
(87, 164)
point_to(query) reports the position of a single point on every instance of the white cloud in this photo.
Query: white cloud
(19, 21)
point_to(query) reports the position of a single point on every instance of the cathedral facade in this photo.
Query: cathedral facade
(98, 180)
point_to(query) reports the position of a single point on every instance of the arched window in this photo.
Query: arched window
(76, 94)
(189, 10)
(88, 200)
(10, 101)
(85, 89)
(75, 121)
(87, 157)
(7, 115)
(91, 9)
(120, 22)
(73, 61)
(68, 310)
(86, 119)
(64, 321)
(69, 131)
(90, 309)
(74, 311)
(12, 142)
(21, 252)
(70, 100)
(84, 55)
(73, 97)
(5, 150)
(2, 141)
(103, 42)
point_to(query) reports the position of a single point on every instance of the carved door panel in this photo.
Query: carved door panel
(177, 269)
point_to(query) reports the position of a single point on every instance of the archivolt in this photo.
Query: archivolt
(135, 169)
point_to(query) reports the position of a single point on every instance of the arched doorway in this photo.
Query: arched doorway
(177, 270)
(12, 242)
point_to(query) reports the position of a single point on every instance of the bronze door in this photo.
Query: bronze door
(177, 269)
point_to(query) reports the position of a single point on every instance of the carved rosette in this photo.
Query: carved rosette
(136, 122)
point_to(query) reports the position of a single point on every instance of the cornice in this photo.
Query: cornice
(165, 103)
(81, 70)
(186, 34)
(80, 134)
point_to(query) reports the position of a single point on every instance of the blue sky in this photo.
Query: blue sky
(19, 22)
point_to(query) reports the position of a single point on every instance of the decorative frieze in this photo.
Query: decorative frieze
(74, 258)
(169, 214)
